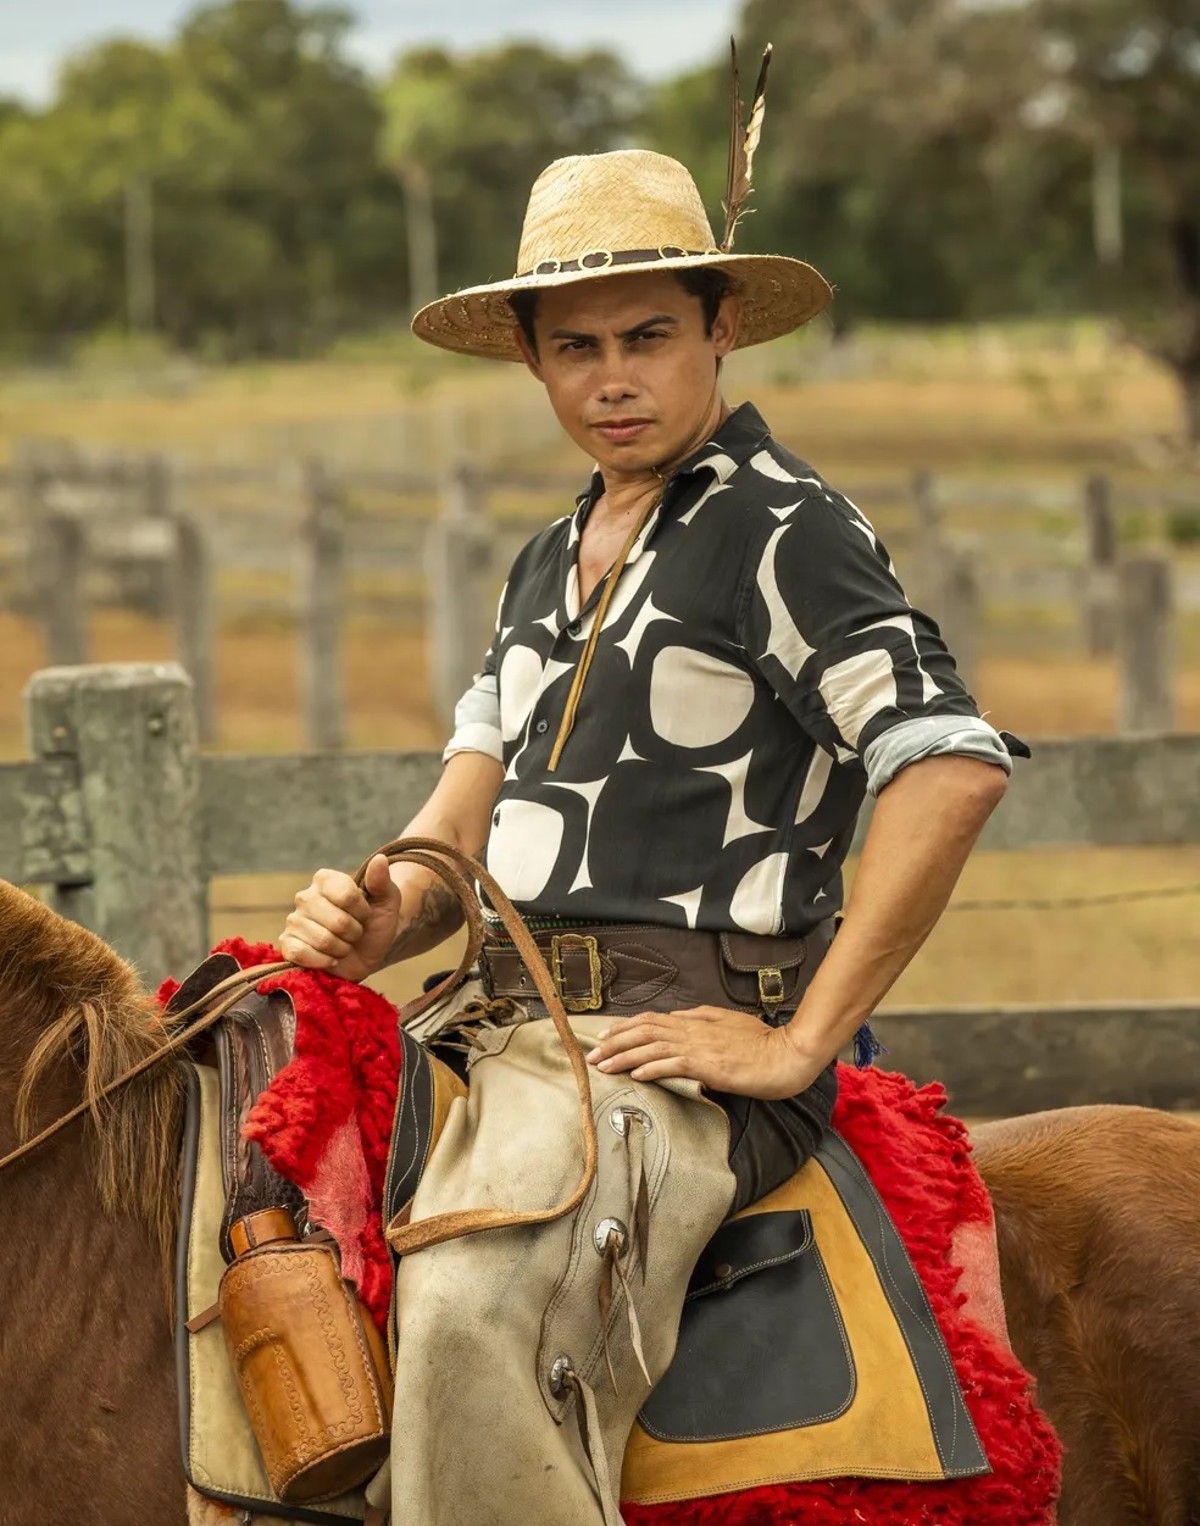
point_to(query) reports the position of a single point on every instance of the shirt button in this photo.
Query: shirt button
(542, 727)
(496, 819)
(574, 628)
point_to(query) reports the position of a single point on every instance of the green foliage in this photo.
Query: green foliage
(1183, 527)
(272, 223)
(934, 158)
(483, 127)
(937, 158)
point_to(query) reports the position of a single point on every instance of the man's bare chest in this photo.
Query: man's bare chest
(598, 550)
(605, 536)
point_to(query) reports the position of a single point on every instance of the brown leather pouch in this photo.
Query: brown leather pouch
(761, 972)
(312, 1368)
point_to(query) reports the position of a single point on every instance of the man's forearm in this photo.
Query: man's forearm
(431, 913)
(456, 814)
(925, 824)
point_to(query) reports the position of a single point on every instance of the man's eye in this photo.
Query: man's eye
(572, 344)
(652, 334)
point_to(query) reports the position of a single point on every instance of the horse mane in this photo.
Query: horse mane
(81, 1005)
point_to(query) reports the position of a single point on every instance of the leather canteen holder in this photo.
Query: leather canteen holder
(310, 1363)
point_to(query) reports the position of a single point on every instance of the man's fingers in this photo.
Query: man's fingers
(317, 937)
(674, 1069)
(299, 952)
(630, 1031)
(640, 1054)
(616, 1041)
(339, 889)
(326, 915)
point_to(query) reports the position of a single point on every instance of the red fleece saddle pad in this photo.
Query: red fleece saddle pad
(325, 1123)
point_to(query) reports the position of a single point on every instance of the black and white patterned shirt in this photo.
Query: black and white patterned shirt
(759, 668)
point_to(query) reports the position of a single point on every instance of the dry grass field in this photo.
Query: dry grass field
(1009, 402)
(1008, 406)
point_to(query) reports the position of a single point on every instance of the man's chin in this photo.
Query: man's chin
(642, 454)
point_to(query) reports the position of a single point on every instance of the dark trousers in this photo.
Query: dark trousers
(770, 1141)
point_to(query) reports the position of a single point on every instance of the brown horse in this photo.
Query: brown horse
(1098, 1227)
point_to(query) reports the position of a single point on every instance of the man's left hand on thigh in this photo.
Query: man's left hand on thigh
(724, 1050)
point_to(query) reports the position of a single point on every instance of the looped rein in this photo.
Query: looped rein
(448, 862)
(452, 866)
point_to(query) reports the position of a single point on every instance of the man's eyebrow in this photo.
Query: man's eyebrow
(658, 321)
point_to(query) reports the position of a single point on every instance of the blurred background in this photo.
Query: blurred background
(219, 442)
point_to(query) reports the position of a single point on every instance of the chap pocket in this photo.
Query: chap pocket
(759, 1275)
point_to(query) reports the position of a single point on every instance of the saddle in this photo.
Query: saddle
(299, 1348)
(817, 1269)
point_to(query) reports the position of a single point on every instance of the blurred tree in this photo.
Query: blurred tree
(888, 158)
(479, 129)
(423, 108)
(246, 187)
(233, 176)
(1125, 77)
(949, 160)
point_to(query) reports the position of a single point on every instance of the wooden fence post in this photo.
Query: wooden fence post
(27, 506)
(128, 730)
(945, 581)
(60, 598)
(1100, 569)
(322, 555)
(928, 514)
(458, 562)
(1147, 644)
(959, 610)
(195, 623)
(55, 553)
(927, 573)
(158, 486)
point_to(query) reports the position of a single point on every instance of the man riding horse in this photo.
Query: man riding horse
(696, 678)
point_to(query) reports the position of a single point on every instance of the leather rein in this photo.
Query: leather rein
(453, 867)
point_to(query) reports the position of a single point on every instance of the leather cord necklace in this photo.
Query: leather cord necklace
(567, 724)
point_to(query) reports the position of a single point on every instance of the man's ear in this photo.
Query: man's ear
(528, 353)
(726, 325)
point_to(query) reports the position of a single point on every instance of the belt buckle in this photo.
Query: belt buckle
(561, 943)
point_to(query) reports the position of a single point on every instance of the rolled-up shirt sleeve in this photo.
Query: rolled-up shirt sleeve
(868, 676)
(477, 721)
(933, 736)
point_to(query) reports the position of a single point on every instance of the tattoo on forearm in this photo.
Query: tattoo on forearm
(437, 913)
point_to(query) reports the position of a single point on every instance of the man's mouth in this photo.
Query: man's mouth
(619, 430)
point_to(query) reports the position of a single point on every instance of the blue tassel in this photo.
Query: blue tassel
(866, 1047)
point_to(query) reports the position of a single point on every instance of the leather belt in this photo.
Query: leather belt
(640, 967)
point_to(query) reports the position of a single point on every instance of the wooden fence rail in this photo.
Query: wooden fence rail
(126, 823)
(309, 542)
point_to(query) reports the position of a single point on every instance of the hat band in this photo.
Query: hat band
(601, 259)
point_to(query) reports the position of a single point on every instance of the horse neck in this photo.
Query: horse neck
(86, 1348)
(59, 1088)
(72, 1019)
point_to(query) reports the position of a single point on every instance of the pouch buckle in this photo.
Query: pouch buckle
(562, 943)
(770, 988)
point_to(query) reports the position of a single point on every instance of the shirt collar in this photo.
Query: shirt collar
(738, 438)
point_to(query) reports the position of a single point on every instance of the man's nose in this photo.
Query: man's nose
(615, 381)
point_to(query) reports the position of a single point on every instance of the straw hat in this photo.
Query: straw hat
(599, 215)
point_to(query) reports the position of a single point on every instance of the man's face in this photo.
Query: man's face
(630, 371)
